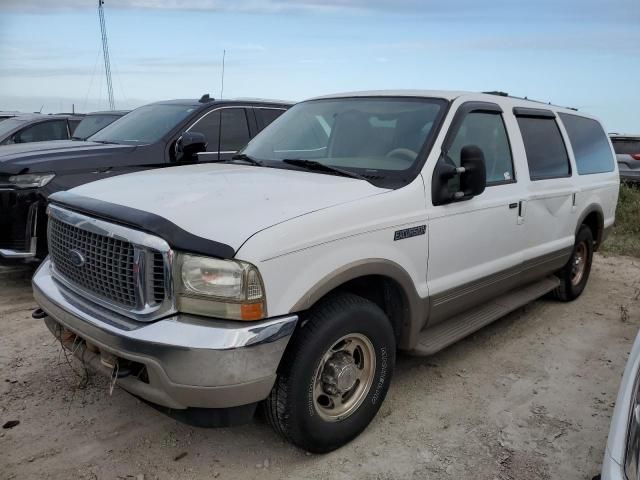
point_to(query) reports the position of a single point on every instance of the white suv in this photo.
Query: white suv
(354, 226)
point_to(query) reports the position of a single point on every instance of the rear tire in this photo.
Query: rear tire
(575, 274)
(334, 375)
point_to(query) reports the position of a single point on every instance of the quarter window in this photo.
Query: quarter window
(546, 153)
(487, 131)
(589, 142)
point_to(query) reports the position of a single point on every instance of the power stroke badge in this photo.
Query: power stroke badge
(409, 232)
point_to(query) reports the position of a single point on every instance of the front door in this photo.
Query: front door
(475, 248)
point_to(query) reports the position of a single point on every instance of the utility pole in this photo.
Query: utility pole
(105, 51)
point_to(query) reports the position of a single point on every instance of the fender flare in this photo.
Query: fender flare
(417, 307)
(597, 209)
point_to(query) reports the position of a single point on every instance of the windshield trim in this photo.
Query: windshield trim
(391, 179)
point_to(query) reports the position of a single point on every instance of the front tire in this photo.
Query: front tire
(575, 274)
(334, 375)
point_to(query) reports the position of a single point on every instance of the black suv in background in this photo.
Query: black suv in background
(627, 148)
(161, 134)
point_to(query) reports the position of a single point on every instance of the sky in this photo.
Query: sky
(578, 53)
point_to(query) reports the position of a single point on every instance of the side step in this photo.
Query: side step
(447, 332)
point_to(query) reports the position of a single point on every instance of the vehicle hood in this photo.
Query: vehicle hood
(227, 203)
(57, 155)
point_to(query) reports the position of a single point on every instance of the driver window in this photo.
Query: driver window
(487, 131)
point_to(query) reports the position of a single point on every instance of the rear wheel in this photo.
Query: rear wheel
(575, 274)
(334, 375)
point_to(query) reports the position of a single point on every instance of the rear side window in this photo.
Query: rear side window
(589, 142)
(235, 130)
(268, 115)
(626, 146)
(546, 153)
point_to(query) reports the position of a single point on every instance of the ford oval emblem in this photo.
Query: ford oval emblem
(76, 258)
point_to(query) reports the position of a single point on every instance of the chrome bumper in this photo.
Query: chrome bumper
(190, 361)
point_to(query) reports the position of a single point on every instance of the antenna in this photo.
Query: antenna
(224, 54)
(105, 51)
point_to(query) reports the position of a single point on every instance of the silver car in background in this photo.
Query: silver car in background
(627, 148)
(623, 446)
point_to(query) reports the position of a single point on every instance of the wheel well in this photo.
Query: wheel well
(595, 223)
(386, 293)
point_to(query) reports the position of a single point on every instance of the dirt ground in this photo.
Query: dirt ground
(529, 397)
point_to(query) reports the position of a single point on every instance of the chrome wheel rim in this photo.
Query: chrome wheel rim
(344, 377)
(578, 264)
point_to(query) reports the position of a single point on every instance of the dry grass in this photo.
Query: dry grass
(625, 238)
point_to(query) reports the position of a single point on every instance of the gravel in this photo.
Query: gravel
(528, 397)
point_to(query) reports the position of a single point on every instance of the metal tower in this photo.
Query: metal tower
(105, 51)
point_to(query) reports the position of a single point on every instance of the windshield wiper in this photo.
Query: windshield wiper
(313, 165)
(245, 158)
(106, 142)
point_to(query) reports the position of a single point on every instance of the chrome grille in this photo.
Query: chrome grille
(108, 269)
(158, 278)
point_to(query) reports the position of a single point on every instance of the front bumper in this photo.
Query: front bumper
(19, 221)
(189, 361)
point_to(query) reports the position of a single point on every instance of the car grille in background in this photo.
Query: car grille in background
(108, 263)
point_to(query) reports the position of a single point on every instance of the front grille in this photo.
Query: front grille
(108, 268)
(158, 278)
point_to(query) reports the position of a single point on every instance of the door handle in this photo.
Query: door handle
(522, 206)
(513, 205)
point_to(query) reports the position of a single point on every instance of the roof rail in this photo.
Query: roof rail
(505, 94)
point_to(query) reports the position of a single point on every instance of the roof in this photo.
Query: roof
(109, 112)
(625, 135)
(212, 101)
(34, 117)
(500, 98)
(446, 94)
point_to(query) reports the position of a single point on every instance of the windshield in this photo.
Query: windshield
(375, 137)
(146, 124)
(92, 124)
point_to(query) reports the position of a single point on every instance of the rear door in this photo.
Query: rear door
(548, 212)
(475, 245)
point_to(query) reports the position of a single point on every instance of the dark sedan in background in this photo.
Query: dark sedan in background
(161, 134)
(37, 127)
(627, 148)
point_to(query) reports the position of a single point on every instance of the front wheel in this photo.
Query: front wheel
(575, 274)
(334, 375)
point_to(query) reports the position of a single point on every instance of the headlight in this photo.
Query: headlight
(31, 180)
(228, 289)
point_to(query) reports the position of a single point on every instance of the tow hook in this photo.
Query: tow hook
(38, 314)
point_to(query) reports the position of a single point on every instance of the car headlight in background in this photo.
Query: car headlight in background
(31, 180)
(229, 289)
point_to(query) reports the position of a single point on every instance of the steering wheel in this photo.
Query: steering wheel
(403, 152)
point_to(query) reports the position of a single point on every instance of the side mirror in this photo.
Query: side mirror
(453, 184)
(188, 145)
(473, 180)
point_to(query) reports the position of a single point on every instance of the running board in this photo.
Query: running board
(447, 332)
